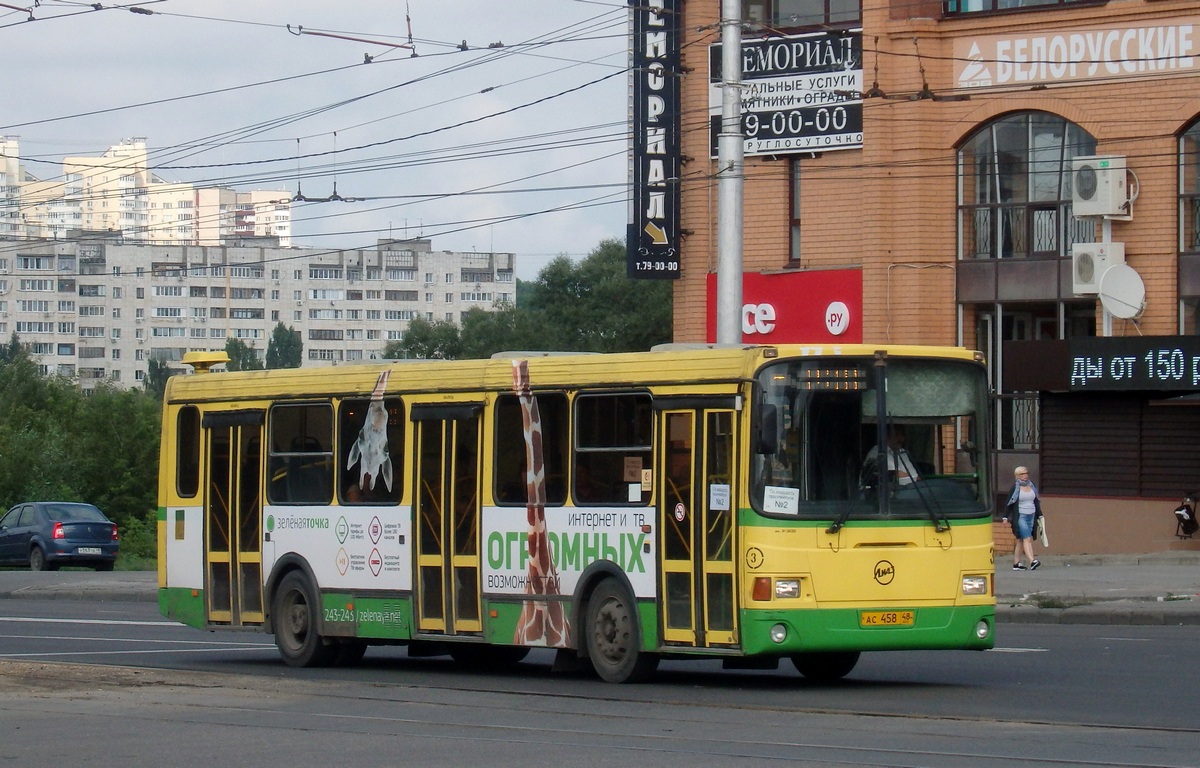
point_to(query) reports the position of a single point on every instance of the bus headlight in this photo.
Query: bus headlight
(778, 633)
(787, 588)
(983, 629)
(975, 585)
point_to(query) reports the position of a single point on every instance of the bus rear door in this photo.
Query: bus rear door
(446, 498)
(696, 520)
(233, 517)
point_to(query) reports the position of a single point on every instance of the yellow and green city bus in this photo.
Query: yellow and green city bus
(684, 502)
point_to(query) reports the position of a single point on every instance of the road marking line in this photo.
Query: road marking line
(107, 622)
(90, 654)
(94, 638)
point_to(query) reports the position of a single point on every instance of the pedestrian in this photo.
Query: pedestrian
(1022, 513)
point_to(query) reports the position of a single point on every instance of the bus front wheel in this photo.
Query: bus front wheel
(297, 620)
(613, 637)
(825, 666)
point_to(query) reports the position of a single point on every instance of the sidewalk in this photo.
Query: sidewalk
(1076, 589)
(114, 586)
(1160, 588)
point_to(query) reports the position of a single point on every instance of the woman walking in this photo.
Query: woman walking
(1023, 509)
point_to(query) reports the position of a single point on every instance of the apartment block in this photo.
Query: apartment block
(118, 192)
(96, 309)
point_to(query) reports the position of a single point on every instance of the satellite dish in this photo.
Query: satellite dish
(1122, 291)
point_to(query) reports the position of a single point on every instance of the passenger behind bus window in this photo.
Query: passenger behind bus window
(600, 478)
(587, 489)
(355, 493)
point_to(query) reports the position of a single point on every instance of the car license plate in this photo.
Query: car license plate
(89, 550)
(886, 618)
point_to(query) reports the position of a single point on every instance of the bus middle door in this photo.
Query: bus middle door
(696, 520)
(446, 499)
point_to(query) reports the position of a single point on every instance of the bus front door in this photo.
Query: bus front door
(446, 498)
(696, 524)
(233, 517)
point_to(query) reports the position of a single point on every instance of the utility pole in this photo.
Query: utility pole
(730, 178)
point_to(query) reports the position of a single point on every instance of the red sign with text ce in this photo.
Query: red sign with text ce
(821, 306)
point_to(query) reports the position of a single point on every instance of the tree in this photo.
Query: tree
(593, 306)
(285, 348)
(436, 340)
(55, 443)
(506, 328)
(12, 350)
(157, 373)
(115, 451)
(241, 356)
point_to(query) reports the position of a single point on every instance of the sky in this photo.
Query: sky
(501, 127)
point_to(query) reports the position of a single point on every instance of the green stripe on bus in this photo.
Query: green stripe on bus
(838, 629)
(184, 605)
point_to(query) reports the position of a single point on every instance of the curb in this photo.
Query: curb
(128, 595)
(1119, 612)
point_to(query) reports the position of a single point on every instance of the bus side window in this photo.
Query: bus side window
(301, 461)
(509, 462)
(370, 464)
(187, 451)
(613, 444)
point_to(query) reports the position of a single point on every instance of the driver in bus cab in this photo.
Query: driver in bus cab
(898, 460)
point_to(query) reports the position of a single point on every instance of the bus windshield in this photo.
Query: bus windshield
(849, 439)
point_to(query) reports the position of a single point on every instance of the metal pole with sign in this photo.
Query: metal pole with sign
(730, 179)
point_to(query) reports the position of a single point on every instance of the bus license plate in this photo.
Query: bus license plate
(89, 550)
(886, 618)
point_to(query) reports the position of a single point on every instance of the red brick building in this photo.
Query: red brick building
(917, 163)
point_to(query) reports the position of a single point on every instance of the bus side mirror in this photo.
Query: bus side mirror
(766, 430)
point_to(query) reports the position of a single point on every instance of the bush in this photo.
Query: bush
(139, 543)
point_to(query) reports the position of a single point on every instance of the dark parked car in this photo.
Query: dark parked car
(48, 534)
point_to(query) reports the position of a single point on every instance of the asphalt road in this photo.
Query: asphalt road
(131, 689)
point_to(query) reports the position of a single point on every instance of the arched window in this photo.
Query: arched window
(1015, 188)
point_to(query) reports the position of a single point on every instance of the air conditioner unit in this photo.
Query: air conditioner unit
(1099, 186)
(1089, 262)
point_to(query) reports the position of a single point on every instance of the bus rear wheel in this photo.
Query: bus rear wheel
(825, 666)
(296, 619)
(614, 641)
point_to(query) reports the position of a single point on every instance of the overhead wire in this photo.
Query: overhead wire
(377, 165)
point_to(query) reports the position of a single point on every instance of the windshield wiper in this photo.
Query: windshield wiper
(941, 523)
(842, 517)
